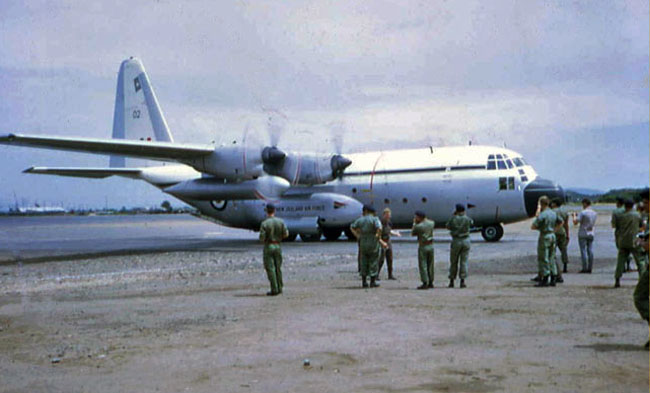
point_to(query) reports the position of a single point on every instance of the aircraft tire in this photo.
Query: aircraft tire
(332, 234)
(492, 233)
(292, 237)
(310, 238)
(349, 235)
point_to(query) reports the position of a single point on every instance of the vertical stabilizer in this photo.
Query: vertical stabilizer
(137, 113)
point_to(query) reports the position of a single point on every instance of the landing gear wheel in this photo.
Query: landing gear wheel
(331, 234)
(310, 238)
(292, 237)
(492, 233)
(349, 235)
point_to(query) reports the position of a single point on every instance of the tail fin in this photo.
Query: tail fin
(137, 113)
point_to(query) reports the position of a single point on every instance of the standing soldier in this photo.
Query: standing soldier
(620, 209)
(546, 223)
(387, 253)
(628, 224)
(272, 232)
(423, 229)
(561, 237)
(367, 229)
(459, 226)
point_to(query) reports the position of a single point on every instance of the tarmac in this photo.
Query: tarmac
(173, 303)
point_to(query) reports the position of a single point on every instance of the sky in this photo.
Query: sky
(564, 83)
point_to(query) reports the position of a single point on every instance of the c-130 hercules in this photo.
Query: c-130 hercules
(316, 194)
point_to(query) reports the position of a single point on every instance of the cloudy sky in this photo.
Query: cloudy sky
(564, 83)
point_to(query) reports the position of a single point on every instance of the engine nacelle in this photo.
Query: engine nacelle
(237, 163)
(309, 169)
(207, 189)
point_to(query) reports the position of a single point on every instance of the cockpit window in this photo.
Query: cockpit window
(501, 164)
(491, 165)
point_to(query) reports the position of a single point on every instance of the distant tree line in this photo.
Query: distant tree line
(608, 197)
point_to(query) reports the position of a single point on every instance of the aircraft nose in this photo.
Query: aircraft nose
(536, 189)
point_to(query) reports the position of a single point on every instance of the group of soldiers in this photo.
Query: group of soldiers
(630, 232)
(375, 246)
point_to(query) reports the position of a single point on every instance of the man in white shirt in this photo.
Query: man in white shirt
(587, 220)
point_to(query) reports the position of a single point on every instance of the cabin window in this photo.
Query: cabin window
(387, 201)
(405, 200)
(424, 200)
(503, 183)
(521, 172)
(354, 190)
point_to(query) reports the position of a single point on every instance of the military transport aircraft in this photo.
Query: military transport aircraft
(316, 194)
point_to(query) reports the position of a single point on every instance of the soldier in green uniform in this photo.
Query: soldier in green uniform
(546, 223)
(459, 226)
(641, 292)
(628, 224)
(387, 253)
(620, 209)
(272, 232)
(367, 229)
(423, 229)
(561, 237)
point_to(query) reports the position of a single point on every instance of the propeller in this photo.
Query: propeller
(338, 163)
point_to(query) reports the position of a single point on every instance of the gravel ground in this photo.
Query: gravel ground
(199, 321)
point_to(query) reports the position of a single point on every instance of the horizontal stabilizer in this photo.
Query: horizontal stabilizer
(161, 151)
(94, 173)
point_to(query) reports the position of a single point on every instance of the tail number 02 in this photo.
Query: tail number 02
(136, 113)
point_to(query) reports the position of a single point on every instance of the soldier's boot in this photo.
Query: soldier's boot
(617, 284)
(430, 284)
(553, 280)
(364, 282)
(559, 279)
(462, 283)
(564, 270)
(543, 282)
(373, 282)
(390, 274)
(451, 283)
(271, 293)
(423, 286)
(537, 278)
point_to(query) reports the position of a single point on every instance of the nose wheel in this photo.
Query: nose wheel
(492, 233)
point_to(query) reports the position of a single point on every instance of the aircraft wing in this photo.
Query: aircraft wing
(161, 151)
(94, 173)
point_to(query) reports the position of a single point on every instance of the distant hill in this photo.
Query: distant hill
(577, 194)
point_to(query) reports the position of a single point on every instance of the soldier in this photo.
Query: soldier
(628, 224)
(546, 222)
(367, 229)
(272, 232)
(459, 226)
(561, 237)
(387, 253)
(423, 229)
(641, 292)
(615, 214)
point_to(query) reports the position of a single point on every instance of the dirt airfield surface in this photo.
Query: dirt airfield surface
(199, 321)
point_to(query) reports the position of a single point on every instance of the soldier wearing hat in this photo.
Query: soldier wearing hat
(459, 226)
(423, 229)
(629, 223)
(367, 229)
(272, 232)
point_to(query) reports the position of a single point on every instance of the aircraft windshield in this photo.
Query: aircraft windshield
(502, 161)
